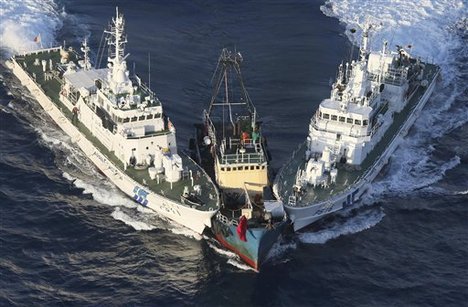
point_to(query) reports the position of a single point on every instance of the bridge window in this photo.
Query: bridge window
(326, 116)
(357, 122)
(252, 167)
(126, 120)
(334, 117)
(134, 119)
(149, 116)
(142, 117)
(228, 169)
(365, 122)
(342, 119)
(349, 120)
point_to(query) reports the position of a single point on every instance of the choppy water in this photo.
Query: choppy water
(69, 237)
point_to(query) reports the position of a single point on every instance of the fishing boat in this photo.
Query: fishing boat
(373, 103)
(230, 147)
(119, 123)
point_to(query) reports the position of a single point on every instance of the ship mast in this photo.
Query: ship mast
(229, 64)
(85, 50)
(364, 49)
(118, 76)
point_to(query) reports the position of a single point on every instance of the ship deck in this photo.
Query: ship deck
(231, 143)
(52, 87)
(347, 175)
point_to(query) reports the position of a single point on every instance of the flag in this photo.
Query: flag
(37, 39)
(242, 228)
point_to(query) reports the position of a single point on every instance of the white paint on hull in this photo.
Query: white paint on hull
(191, 218)
(306, 215)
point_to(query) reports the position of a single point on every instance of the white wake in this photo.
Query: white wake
(358, 223)
(435, 30)
(232, 258)
(22, 21)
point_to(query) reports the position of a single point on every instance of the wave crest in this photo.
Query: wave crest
(437, 31)
(427, 25)
(23, 20)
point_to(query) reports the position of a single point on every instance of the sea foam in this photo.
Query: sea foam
(358, 223)
(427, 25)
(436, 30)
(134, 223)
(232, 258)
(22, 21)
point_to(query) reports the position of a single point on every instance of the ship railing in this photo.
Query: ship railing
(395, 76)
(247, 143)
(73, 97)
(277, 187)
(112, 165)
(59, 67)
(188, 202)
(212, 130)
(352, 134)
(248, 202)
(248, 158)
(117, 170)
(362, 179)
(392, 77)
(373, 77)
(239, 157)
(225, 220)
(207, 177)
(145, 88)
(41, 51)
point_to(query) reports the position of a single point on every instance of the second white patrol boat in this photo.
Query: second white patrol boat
(373, 103)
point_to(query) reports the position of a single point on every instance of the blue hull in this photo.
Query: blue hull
(259, 241)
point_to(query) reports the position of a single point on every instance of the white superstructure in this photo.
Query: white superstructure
(373, 102)
(348, 125)
(125, 116)
(120, 125)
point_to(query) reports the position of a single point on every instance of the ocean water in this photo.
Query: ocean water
(68, 236)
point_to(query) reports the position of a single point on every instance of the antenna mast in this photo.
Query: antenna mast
(118, 74)
(149, 70)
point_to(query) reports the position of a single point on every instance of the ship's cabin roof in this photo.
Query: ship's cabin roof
(333, 107)
(86, 78)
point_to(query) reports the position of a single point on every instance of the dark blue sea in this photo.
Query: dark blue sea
(69, 237)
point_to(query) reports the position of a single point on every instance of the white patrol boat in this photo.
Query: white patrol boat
(373, 103)
(120, 125)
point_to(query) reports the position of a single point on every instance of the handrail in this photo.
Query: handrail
(225, 220)
(102, 156)
(363, 178)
